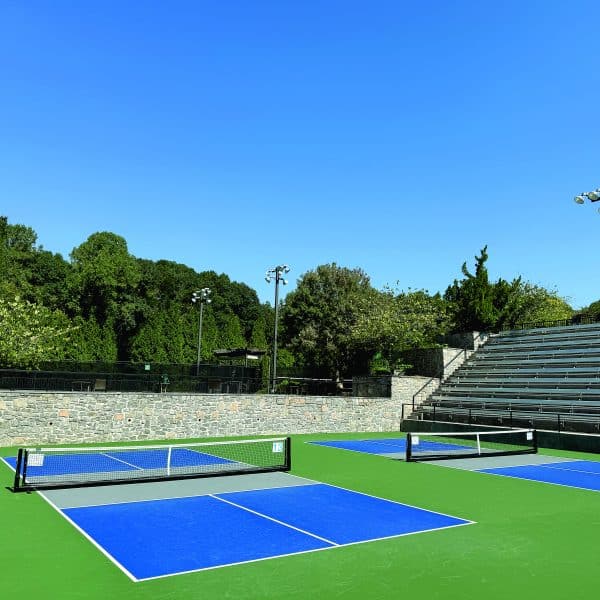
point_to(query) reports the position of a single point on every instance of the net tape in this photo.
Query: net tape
(62, 467)
(462, 444)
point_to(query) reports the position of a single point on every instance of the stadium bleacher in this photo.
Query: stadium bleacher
(547, 378)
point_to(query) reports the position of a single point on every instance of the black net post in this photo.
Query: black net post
(288, 454)
(17, 482)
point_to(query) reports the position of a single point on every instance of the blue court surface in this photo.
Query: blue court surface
(118, 461)
(584, 474)
(158, 538)
(385, 446)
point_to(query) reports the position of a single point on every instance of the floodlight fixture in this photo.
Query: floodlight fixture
(201, 297)
(593, 196)
(276, 274)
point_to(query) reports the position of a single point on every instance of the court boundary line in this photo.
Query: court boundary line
(573, 487)
(258, 489)
(314, 482)
(264, 516)
(331, 547)
(548, 466)
(88, 537)
(384, 454)
(379, 539)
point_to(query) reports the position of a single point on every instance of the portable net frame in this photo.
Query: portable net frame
(469, 444)
(58, 467)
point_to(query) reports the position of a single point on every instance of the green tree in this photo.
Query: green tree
(473, 298)
(319, 315)
(230, 332)
(161, 338)
(593, 310)
(31, 334)
(92, 341)
(529, 303)
(390, 322)
(104, 282)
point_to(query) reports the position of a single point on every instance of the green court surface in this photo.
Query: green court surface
(529, 540)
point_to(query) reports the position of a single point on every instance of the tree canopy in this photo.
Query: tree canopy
(104, 304)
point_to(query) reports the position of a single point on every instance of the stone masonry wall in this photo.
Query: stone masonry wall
(32, 418)
(405, 388)
(28, 418)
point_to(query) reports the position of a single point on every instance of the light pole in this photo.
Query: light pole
(591, 196)
(276, 273)
(201, 296)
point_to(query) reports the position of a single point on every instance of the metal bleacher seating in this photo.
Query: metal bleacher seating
(548, 378)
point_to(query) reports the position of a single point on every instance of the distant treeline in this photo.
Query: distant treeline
(104, 304)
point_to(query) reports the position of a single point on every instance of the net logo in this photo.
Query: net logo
(277, 446)
(36, 460)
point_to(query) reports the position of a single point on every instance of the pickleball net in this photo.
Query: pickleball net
(469, 444)
(53, 467)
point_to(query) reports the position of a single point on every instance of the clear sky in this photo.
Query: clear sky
(235, 135)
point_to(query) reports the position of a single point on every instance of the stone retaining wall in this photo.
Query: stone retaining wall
(32, 418)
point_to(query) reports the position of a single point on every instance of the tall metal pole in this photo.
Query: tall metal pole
(201, 296)
(274, 367)
(199, 338)
(275, 273)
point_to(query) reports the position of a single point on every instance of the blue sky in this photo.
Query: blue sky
(399, 137)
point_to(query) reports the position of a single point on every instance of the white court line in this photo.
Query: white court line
(243, 562)
(122, 461)
(571, 470)
(334, 545)
(573, 487)
(258, 489)
(254, 512)
(90, 539)
(352, 449)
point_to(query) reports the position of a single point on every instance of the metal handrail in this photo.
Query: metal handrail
(442, 379)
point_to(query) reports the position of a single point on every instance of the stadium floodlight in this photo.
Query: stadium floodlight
(202, 297)
(593, 196)
(276, 273)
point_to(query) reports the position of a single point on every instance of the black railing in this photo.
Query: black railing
(361, 386)
(560, 420)
(576, 320)
(217, 379)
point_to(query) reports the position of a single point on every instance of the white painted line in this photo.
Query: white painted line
(352, 450)
(573, 487)
(254, 512)
(90, 539)
(571, 470)
(122, 461)
(186, 496)
(435, 512)
(390, 537)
